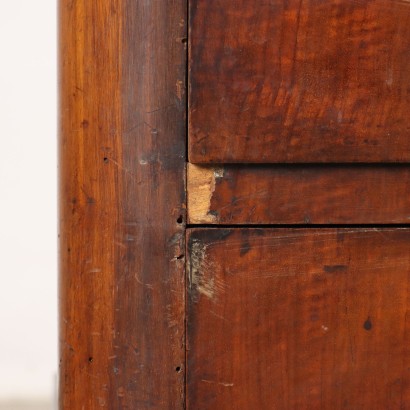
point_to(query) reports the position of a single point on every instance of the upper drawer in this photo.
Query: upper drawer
(299, 81)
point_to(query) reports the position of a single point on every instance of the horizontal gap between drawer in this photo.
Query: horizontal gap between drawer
(287, 226)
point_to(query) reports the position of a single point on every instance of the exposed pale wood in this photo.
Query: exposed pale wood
(298, 319)
(303, 194)
(299, 81)
(122, 204)
(200, 188)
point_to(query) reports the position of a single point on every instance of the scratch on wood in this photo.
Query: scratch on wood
(180, 89)
(201, 186)
(198, 265)
(201, 273)
(220, 383)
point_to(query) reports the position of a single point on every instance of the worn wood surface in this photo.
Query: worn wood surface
(306, 194)
(122, 201)
(298, 319)
(275, 81)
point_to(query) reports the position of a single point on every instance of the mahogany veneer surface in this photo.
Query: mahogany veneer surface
(298, 319)
(299, 81)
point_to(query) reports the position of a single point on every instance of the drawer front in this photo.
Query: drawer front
(312, 81)
(298, 319)
(266, 194)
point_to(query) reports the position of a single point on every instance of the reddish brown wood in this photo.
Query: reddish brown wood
(311, 81)
(298, 319)
(304, 194)
(122, 147)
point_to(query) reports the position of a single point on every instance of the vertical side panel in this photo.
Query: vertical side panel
(150, 305)
(122, 204)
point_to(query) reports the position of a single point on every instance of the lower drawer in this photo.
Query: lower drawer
(298, 319)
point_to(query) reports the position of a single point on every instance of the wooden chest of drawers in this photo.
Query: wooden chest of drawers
(234, 204)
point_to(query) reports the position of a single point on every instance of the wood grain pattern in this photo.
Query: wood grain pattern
(311, 81)
(235, 194)
(122, 204)
(298, 319)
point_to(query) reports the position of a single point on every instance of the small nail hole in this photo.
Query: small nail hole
(180, 257)
(178, 369)
(180, 219)
(106, 160)
(184, 40)
(90, 360)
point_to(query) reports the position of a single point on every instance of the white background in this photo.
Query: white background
(28, 229)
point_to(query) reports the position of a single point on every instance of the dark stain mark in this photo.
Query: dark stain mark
(368, 324)
(314, 317)
(334, 268)
(209, 235)
(221, 234)
(84, 124)
(340, 237)
(229, 178)
(90, 200)
(133, 385)
(234, 200)
(245, 246)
